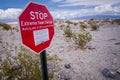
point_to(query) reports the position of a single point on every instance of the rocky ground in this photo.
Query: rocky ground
(102, 52)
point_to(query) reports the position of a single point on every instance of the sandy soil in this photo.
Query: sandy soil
(87, 64)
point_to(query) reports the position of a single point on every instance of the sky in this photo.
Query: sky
(62, 9)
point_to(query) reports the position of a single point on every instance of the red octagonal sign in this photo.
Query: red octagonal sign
(36, 27)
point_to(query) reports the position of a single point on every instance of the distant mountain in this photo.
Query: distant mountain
(8, 20)
(76, 18)
(98, 17)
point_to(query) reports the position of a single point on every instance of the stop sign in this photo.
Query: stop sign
(36, 27)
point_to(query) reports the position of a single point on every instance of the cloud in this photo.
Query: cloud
(104, 8)
(107, 8)
(56, 0)
(69, 14)
(86, 2)
(117, 9)
(10, 13)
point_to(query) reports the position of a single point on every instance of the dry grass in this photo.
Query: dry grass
(81, 39)
(5, 26)
(24, 66)
(68, 31)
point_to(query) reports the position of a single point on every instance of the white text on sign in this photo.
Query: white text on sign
(27, 23)
(38, 15)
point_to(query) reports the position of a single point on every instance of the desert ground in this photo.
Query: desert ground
(76, 63)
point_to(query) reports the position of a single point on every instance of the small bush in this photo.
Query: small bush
(93, 24)
(75, 23)
(81, 22)
(5, 26)
(61, 26)
(94, 27)
(81, 39)
(69, 22)
(82, 26)
(24, 66)
(68, 31)
(117, 21)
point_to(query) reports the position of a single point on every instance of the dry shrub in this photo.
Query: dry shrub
(83, 26)
(81, 39)
(24, 66)
(69, 22)
(75, 23)
(61, 26)
(94, 27)
(68, 31)
(117, 21)
(5, 26)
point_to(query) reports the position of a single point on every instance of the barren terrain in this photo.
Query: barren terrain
(103, 51)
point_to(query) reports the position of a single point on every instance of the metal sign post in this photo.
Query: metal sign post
(37, 25)
(44, 65)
